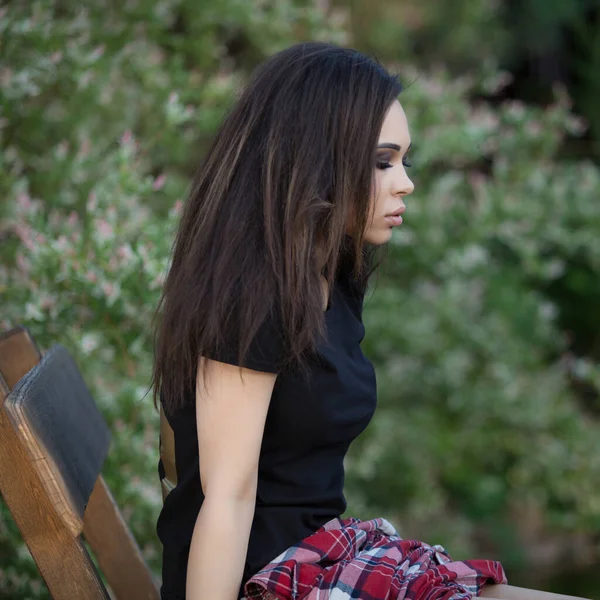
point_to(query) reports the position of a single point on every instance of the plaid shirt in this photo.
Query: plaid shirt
(349, 558)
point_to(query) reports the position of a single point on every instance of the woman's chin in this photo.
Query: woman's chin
(378, 237)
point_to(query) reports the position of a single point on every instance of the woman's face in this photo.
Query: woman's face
(392, 183)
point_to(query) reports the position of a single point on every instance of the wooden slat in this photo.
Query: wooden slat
(55, 487)
(65, 434)
(107, 534)
(115, 548)
(510, 592)
(167, 455)
(62, 559)
(18, 355)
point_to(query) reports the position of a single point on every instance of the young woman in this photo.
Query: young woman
(258, 361)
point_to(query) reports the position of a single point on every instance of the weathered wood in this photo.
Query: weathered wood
(18, 355)
(115, 548)
(62, 429)
(62, 559)
(167, 455)
(511, 592)
(106, 532)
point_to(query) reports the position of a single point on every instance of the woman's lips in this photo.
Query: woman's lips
(394, 219)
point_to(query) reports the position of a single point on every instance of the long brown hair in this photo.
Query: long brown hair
(288, 172)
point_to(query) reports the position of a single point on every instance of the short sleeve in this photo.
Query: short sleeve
(265, 352)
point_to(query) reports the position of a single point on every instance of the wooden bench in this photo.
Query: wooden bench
(53, 442)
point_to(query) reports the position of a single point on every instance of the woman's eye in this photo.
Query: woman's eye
(383, 164)
(383, 161)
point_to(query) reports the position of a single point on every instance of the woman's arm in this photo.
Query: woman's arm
(230, 415)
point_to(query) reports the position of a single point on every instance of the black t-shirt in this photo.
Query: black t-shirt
(309, 427)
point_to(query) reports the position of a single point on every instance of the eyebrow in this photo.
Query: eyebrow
(393, 146)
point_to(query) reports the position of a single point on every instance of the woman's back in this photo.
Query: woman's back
(309, 426)
(304, 180)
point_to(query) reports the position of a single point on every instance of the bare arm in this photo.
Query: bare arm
(230, 416)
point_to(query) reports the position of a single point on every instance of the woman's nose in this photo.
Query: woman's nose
(404, 186)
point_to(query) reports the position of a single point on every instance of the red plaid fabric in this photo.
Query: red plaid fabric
(349, 558)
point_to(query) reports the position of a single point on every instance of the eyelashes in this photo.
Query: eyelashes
(381, 164)
(385, 164)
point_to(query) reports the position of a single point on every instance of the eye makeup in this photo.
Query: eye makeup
(383, 159)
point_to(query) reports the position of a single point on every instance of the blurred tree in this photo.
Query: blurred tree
(540, 42)
(479, 442)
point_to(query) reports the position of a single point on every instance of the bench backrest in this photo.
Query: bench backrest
(167, 455)
(56, 419)
(53, 442)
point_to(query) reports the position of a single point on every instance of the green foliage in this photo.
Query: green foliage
(477, 420)
(542, 40)
(104, 113)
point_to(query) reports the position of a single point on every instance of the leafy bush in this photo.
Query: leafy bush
(539, 42)
(104, 114)
(477, 410)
